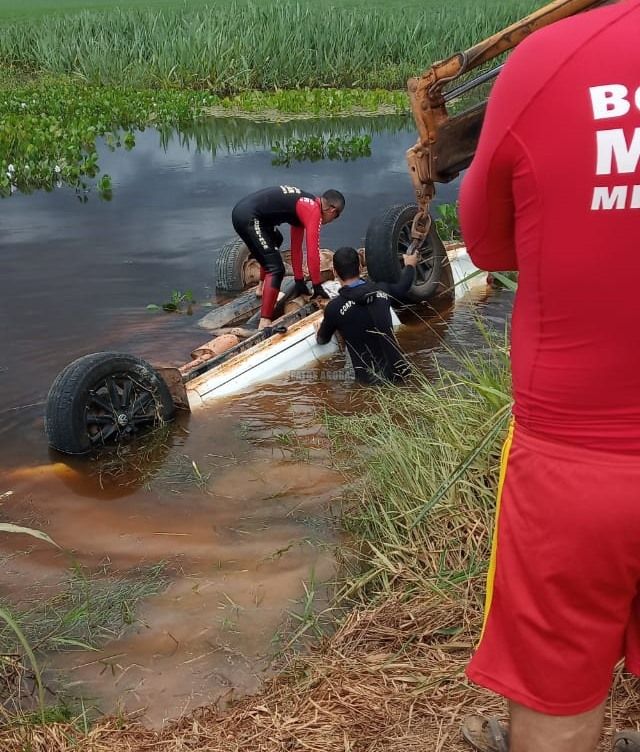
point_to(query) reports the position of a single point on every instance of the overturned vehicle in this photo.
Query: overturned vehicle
(104, 398)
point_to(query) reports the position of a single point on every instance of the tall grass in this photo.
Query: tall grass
(8, 667)
(427, 459)
(240, 46)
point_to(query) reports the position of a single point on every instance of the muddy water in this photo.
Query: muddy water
(238, 500)
(238, 545)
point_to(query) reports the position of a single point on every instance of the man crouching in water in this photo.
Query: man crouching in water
(361, 314)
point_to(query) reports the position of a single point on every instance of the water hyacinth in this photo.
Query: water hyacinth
(53, 141)
(57, 134)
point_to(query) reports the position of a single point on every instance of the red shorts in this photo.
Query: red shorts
(562, 591)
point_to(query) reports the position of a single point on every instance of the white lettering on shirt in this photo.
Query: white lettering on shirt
(258, 231)
(616, 197)
(617, 149)
(612, 145)
(610, 101)
(609, 198)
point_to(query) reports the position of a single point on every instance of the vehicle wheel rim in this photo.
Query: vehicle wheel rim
(424, 268)
(118, 407)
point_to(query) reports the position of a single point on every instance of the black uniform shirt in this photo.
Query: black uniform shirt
(362, 315)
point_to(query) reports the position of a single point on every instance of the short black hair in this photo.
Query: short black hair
(335, 198)
(346, 262)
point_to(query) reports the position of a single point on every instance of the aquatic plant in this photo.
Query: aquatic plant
(176, 303)
(448, 223)
(48, 130)
(315, 148)
(305, 101)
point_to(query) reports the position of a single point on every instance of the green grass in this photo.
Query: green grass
(238, 46)
(426, 459)
(67, 80)
(90, 609)
(10, 9)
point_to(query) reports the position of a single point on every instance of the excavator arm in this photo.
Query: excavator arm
(446, 145)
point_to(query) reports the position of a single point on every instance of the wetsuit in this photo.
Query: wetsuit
(255, 219)
(361, 313)
(554, 192)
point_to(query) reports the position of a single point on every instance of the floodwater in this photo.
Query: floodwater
(239, 501)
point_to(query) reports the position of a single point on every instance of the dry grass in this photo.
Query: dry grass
(16, 682)
(391, 680)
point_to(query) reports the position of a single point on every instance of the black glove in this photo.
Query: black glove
(319, 292)
(300, 288)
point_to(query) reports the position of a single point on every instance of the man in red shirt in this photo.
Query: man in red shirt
(255, 219)
(554, 192)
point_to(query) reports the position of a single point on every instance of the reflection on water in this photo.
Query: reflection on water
(236, 499)
(236, 134)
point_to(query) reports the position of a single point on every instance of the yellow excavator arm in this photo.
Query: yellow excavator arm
(446, 145)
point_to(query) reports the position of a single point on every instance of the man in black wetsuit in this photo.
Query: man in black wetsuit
(361, 314)
(255, 219)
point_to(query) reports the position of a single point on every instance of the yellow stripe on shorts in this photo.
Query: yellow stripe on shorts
(504, 460)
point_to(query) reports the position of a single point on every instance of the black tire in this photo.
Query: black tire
(388, 237)
(230, 266)
(103, 399)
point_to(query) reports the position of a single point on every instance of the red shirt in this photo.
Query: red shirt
(554, 192)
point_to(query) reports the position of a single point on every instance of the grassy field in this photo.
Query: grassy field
(237, 46)
(10, 9)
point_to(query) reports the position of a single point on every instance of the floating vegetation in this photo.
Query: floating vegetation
(316, 148)
(49, 130)
(233, 134)
(306, 102)
(180, 302)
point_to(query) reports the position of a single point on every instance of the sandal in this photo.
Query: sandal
(489, 735)
(626, 741)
